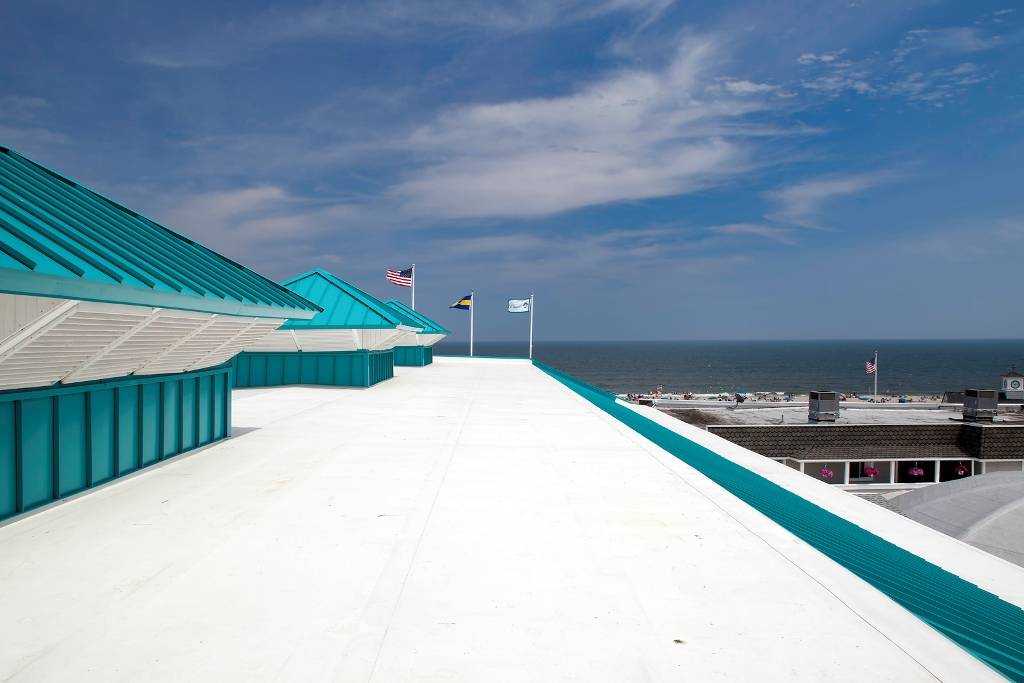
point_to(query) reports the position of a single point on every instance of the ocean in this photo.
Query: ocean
(918, 367)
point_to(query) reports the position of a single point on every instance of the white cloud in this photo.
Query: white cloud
(749, 87)
(264, 226)
(243, 37)
(940, 85)
(822, 58)
(801, 203)
(632, 135)
(769, 232)
(19, 107)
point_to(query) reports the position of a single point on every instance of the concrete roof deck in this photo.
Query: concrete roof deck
(471, 520)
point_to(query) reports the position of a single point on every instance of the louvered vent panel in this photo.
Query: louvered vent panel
(146, 344)
(379, 339)
(62, 348)
(189, 352)
(327, 340)
(241, 342)
(278, 340)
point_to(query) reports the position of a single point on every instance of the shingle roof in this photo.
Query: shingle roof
(61, 239)
(344, 305)
(419, 320)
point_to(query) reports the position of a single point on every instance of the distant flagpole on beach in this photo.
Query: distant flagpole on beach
(871, 368)
(413, 303)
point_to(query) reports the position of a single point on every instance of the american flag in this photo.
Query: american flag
(869, 367)
(402, 278)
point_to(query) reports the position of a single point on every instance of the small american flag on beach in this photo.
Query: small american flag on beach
(869, 367)
(402, 278)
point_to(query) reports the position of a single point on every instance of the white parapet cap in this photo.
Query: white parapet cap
(993, 574)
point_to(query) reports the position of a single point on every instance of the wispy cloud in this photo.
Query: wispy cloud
(957, 40)
(773, 233)
(918, 69)
(611, 254)
(264, 226)
(241, 39)
(940, 85)
(632, 135)
(802, 203)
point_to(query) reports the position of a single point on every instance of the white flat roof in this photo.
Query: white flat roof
(472, 520)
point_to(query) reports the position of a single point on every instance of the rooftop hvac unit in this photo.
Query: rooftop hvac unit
(823, 406)
(980, 404)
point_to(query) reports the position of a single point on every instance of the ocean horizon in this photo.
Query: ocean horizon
(912, 366)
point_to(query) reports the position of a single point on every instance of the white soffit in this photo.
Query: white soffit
(77, 341)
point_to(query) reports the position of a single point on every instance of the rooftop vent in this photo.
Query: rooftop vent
(980, 405)
(823, 406)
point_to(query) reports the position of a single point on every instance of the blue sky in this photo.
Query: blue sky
(651, 169)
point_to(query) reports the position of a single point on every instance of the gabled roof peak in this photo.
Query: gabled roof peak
(345, 306)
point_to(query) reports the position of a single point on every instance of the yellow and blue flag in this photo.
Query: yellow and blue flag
(463, 304)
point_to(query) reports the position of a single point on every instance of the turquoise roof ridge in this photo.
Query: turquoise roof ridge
(60, 239)
(344, 305)
(419, 320)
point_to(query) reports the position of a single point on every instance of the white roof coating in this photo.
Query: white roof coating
(986, 511)
(471, 520)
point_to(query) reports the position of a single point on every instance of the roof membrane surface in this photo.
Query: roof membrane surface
(476, 522)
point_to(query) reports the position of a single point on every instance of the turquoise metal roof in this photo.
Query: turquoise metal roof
(344, 306)
(418, 319)
(61, 239)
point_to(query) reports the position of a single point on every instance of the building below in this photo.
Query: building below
(886, 454)
(482, 519)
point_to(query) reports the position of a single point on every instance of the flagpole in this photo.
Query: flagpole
(413, 287)
(876, 375)
(531, 325)
(472, 310)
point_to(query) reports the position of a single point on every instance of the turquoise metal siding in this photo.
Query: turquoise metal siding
(328, 368)
(60, 239)
(413, 356)
(980, 622)
(57, 441)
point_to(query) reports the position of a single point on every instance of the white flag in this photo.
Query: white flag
(518, 305)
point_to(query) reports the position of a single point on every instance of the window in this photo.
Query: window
(955, 469)
(915, 471)
(870, 472)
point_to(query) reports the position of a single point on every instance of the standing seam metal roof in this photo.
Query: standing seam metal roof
(418, 319)
(61, 239)
(344, 306)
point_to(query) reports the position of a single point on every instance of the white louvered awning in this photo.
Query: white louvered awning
(338, 339)
(77, 341)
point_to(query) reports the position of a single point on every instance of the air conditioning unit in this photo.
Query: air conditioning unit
(823, 406)
(981, 405)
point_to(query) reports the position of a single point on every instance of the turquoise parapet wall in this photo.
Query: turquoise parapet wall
(980, 622)
(329, 368)
(414, 356)
(58, 441)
